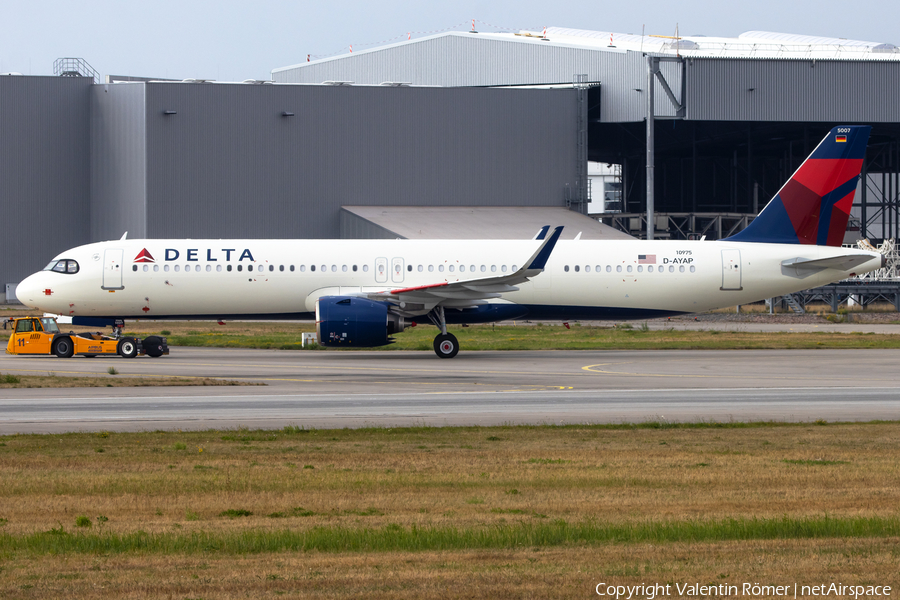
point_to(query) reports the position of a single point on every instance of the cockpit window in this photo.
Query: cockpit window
(64, 265)
(50, 325)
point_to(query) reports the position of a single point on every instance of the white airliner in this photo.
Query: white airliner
(363, 291)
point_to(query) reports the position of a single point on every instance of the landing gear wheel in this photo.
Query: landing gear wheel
(446, 345)
(63, 347)
(153, 346)
(127, 348)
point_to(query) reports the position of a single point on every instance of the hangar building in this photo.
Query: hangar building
(732, 117)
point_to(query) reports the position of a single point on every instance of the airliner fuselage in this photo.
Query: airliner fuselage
(582, 279)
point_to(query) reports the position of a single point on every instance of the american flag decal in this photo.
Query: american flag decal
(646, 259)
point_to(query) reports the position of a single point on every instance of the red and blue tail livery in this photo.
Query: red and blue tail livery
(813, 207)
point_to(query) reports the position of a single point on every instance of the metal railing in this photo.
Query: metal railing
(75, 67)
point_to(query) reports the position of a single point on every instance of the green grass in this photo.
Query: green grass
(394, 537)
(622, 337)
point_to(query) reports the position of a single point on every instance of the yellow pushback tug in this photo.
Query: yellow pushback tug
(41, 335)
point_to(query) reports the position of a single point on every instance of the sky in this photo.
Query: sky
(231, 40)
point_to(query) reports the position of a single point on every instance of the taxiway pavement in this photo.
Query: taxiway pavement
(352, 389)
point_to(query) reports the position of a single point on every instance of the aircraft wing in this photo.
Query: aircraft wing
(467, 293)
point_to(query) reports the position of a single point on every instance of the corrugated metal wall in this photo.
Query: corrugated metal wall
(462, 59)
(118, 161)
(228, 164)
(44, 175)
(792, 90)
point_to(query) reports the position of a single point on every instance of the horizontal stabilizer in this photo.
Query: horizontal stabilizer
(844, 262)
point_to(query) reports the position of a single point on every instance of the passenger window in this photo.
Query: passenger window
(441, 268)
(166, 268)
(177, 268)
(430, 268)
(420, 268)
(681, 269)
(483, 268)
(134, 267)
(577, 268)
(629, 268)
(640, 268)
(208, 268)
(292, 268)
(218, 268)
(515, 268)
(618, 268)
(249, 267)
(272, 268)
(462, 268)
(587, 268)
(228, 268)
(609, 268)
(334, 268)
(493, 268)
(365, 268)
(671, 269)
(649, 268)
(303, 268)
(312, 267)
(566, 268)
(354, 268)
(503, 268)
(240, 268)
(409, 268)
(281, 268)
(450, 268)
(324, 268)
(146, 268)
(155, 268)
(344, 268)
(693, 268)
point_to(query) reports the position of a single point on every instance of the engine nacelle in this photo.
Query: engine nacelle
(351, 321)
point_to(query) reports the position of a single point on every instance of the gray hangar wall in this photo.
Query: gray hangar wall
(278, 161)
(44, 175)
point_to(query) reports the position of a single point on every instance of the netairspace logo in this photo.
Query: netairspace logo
(650, 591)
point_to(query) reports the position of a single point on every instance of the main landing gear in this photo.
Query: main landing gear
(445, 344)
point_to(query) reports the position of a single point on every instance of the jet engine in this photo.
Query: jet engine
(351, 321)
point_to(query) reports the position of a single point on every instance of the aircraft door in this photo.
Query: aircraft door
(112, 269)
(731, 270)
(397, 270)
(381, 267)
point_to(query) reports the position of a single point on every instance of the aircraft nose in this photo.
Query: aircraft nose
(28, 290)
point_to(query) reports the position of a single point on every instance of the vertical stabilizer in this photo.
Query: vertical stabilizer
(814, 205)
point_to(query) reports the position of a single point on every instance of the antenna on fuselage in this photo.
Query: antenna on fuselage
(124, 235)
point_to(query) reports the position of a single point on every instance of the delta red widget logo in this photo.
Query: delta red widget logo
(144, 257)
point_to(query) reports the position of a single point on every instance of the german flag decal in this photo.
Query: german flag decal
(144, 257)
(840, 138)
